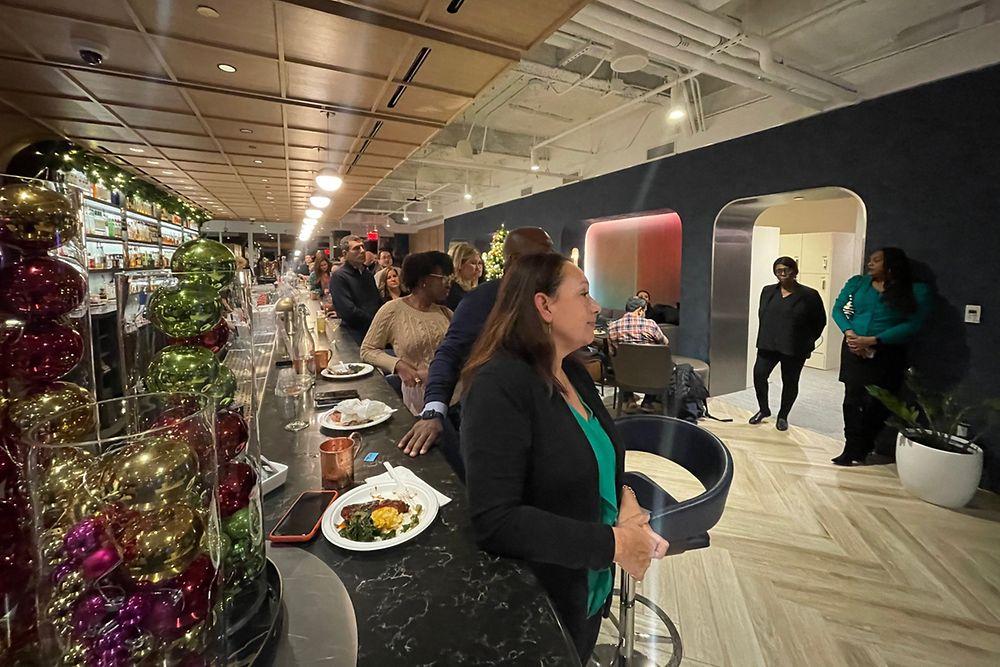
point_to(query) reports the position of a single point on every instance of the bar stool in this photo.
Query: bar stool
(685, 524)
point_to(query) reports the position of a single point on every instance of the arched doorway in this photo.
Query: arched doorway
(736, 268)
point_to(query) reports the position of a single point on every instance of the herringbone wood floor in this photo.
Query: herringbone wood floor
(813, 564)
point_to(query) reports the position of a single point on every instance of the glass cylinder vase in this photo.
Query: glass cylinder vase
(126, 523)
(192, 331)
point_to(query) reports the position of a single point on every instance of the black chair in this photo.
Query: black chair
(648, 369)
(685, 524)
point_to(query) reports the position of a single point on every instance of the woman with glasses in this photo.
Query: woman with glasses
(792, 317)
(413, 326)
(468, 267)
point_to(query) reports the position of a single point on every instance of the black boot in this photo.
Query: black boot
(760, 416)
(782, 424)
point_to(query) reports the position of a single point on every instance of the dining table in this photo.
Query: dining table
(436, 599)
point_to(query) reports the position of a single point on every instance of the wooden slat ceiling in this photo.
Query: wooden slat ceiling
(312, 86)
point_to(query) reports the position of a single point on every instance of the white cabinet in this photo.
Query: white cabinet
(825, 263)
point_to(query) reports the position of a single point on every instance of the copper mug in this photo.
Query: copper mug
(337, 460)
(322, 360)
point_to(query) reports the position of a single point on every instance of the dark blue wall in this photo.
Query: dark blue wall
(925, 161)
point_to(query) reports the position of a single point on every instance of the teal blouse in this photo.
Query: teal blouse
(872, 317)
(599, 582)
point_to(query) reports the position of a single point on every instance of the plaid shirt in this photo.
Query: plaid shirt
(633, 329)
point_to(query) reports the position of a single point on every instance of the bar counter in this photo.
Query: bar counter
(436, 599)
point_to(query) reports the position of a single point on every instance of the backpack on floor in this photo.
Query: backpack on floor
(689, 396)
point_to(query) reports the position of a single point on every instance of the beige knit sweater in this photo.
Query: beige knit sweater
(412, 334)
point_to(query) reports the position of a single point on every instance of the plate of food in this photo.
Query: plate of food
(354, 414)
(379, 516)
(342, 371)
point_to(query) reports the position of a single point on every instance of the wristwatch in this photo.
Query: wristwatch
(430, 414)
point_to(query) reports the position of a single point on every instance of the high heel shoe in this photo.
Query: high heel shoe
(844, 460)
(760, 416)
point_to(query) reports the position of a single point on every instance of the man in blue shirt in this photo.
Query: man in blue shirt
(466, 325)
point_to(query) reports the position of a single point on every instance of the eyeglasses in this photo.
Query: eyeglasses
(783, 272)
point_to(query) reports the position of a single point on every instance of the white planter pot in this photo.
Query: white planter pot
(943, 478)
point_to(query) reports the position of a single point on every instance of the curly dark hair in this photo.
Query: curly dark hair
(419, 265)
(898, 292)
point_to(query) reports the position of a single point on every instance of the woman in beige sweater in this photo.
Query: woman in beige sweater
(412, 326)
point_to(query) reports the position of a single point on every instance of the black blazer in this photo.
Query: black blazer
(355, 298)
(795, 334)
(532, 478)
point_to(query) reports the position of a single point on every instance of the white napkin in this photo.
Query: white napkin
(338, 367)
(364, 410)
(408, 477)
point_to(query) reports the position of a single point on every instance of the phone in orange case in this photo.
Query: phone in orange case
(302, 520)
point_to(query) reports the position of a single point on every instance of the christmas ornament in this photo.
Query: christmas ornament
(89, 614)
(60, 405)
(179, 368)
(43, 351)
(195, 584)
(181, 422)
(231, 434)
(214, 339)
(160, 543)
(100, 563)
(184, 310)
(135, 609)
(224, 389)
(150, 472)
(84, 538)
(237, 480)
(63, 479)
(204, 262)
(238, 526)
(42, 287)
(34, 218)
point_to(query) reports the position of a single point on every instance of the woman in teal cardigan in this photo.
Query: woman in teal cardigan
(879, 314)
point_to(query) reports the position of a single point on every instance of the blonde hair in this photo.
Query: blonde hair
(460, 254)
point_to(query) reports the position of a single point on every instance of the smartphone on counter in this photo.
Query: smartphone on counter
(302, 520)
(327, 399)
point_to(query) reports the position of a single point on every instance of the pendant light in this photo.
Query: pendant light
(328, 179)
(319, 200)
(314, 213)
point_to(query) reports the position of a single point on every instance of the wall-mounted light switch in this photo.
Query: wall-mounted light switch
(973, 314)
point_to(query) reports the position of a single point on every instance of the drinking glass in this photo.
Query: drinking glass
(297, 386)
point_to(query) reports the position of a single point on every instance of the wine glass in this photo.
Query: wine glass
(295, 385)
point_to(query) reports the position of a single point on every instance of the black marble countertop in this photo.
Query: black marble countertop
(436, 599)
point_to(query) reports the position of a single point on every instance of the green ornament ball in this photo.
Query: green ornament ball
(238, 526)
(224, 389)
(204, 262)
(225, 545)
(34, 218)
(176, 368)
(184, 310)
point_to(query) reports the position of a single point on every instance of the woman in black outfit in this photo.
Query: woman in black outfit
(792, 317)
(543, 462)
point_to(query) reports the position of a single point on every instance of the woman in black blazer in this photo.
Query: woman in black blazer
(791, 318)
(543, 462)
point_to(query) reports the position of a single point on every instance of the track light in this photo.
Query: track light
(430, 209)
(534, 161)
(676, 113)
(319, 200)
(329, 180)
(314, 213)
(468, 195)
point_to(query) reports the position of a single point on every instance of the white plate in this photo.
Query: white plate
(368, 368)
(326, 422)
(365, 493)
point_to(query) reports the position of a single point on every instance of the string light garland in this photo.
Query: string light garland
(493, 258)
(101, 171)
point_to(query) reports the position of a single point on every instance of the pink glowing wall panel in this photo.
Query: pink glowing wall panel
(626, 254)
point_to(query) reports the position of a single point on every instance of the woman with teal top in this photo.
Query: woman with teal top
(879, 314)
(543, 461)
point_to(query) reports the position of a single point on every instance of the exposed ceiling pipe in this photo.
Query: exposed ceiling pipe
(696, 62)
(598, 49)
(661, 34)
(729, 30)
(454, 164)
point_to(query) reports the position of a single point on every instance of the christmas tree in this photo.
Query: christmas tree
(493, 258)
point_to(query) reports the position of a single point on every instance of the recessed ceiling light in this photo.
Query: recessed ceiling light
(263, 180)
(800, 198)
(246, 130)
(168, 173)
(152, 162)
(226, 67)
(258, 162)
(136, 149)
(263, 227)
(207, 12)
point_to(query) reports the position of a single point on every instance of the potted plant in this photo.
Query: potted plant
(933, 461)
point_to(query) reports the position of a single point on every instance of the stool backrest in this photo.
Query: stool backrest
(696, 450)
(644, 368)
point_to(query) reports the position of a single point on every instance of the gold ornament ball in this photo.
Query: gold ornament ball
(150, 472)
(34, 218)
(160, 544)
(62, 406)
(64, 477)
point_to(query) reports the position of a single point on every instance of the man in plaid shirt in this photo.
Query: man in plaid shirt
(633, 327)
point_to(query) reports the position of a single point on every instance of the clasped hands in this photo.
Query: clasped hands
(859, 344)
(636, 545)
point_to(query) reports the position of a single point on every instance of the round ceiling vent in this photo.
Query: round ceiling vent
(626, 58)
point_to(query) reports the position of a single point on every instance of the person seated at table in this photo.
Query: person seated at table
(305, 268)
(465, 328)
(389, 286)
(413, 326)
(468, 263)
(543, 460)
(634, 327)
(355, 297)
(319, 279)
(659, 312)
(384, 262)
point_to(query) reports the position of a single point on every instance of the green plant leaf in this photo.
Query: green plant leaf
(907, 414)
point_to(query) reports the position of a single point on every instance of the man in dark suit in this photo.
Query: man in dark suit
(466, 325)
(355, 297)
